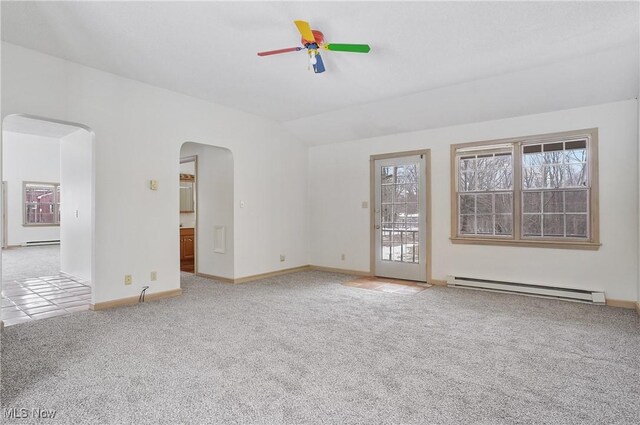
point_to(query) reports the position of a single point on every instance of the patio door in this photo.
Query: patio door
(400, 221)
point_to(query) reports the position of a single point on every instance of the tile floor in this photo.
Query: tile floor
(405, 287)
(42, 297)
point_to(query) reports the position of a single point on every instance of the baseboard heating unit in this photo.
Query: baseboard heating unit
(37, 243)
(568, 294)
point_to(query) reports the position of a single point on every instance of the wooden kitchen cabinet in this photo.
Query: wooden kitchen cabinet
(187, 249)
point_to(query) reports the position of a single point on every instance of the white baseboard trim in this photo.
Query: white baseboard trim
(342, 271)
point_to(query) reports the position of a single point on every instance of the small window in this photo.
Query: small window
(41, 204)
(538, 191)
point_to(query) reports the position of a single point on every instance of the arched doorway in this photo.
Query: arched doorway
(207, 187)
(48, 218)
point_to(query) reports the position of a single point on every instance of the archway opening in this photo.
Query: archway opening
(47, 218)
(206, 211)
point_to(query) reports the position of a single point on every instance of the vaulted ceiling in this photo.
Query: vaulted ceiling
(431, 64)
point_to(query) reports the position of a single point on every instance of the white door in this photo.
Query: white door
(400, 221)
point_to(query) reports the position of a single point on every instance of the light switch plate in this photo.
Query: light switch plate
(153, 184)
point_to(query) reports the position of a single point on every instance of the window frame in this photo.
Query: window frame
(592, 242)
(56, 204)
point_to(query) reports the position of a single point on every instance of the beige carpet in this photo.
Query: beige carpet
(305, 349)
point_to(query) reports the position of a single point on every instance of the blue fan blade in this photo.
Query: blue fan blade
(319, 66)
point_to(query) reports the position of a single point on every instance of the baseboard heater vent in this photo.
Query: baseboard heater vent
(36, 243)
(568, 294)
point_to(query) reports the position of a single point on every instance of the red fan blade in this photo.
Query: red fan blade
(276, 52)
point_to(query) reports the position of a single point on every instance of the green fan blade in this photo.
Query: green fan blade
(357, 48)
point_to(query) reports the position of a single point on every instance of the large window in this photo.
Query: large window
(41, 204)
(535, 191)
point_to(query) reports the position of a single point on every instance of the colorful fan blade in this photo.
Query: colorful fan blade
(305, 31)
(357, 48)
(319, 66)
(275, 52)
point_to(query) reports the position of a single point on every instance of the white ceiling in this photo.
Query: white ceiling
(27, 125)
(208, 50)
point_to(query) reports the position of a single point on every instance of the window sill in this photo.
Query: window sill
(41, 225)
(590, 246)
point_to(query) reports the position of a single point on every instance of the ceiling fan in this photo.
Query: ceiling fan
(313, 40)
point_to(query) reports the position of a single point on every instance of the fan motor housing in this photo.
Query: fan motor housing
(319, 38)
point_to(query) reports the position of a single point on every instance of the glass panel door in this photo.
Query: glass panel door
(400, 223)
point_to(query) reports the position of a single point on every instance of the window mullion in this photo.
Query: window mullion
(475, 213)
(564, 212)
(517, 191)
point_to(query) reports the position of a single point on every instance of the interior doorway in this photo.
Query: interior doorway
(206, 210)
(47, 218)
(401, 216)
(188, 212)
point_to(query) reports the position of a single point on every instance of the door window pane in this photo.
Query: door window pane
(386, 197)
(386, 245)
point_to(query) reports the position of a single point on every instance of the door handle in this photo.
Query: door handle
(377, 226)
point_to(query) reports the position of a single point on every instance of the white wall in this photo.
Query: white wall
(139, 130)
(214, 208)
(27, 157)
(338, 224)
(76, 158)
(138, 133)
